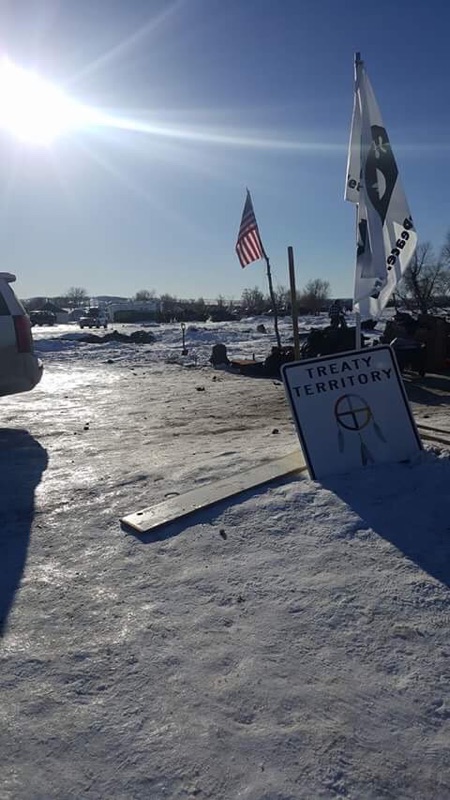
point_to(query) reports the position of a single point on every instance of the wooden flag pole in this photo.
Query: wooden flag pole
(272, 300)
(294, 308)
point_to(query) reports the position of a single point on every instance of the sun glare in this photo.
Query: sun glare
(37, 112)
(31, 108)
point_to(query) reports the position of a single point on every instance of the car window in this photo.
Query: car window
(4, 310)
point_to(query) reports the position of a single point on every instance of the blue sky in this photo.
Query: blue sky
(253, 93)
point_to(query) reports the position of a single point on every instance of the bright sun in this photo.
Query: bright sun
(31, 108)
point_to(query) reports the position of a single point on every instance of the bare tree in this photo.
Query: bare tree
(144, 295)
(169, 307)
(76, 296)
(315, 294)
(254, 301)
(445, 252)
(199, 309)
(426, 281)
(283, 299)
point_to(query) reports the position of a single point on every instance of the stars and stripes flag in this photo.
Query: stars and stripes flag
(249, 246)
(386, 237)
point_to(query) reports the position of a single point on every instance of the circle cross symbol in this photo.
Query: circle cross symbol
(352, 412)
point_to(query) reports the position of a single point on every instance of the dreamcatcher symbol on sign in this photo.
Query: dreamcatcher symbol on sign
(354, 414)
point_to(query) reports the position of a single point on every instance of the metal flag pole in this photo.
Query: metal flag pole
(357, 313)
(358, 343)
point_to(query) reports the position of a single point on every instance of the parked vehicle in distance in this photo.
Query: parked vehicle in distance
(20, 369)
(94, 318)
(42, 318)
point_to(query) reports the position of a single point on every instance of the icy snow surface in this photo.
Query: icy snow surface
(289, 643)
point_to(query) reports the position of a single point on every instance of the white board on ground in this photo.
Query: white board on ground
(174, 508)
(350, 410)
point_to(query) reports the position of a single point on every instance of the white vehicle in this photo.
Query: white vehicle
(94, 318)
(20, 370)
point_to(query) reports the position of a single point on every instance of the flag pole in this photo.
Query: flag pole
(294, 310)
(272, 299)
(357, 313)
(357, 330)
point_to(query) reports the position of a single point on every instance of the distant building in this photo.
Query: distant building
(62, 315)
(134, 310)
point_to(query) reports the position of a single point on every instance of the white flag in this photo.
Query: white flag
(386, 237)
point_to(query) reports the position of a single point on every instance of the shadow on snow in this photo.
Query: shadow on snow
(406, 504)
(433, 390)
(22, 462)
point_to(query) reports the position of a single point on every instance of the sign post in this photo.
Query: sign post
(350, 410)
(294, 308)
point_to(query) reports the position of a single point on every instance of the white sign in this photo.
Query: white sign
(350, 410)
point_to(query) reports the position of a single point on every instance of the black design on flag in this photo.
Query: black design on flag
(380, 172)
(362, 238)
(249, 246)
(363, 254)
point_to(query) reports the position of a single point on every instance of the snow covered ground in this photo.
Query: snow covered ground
(291, 643)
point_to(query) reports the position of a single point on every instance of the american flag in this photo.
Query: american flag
(249, 245)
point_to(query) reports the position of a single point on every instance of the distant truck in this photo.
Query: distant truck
(42, 318)
(94, 318)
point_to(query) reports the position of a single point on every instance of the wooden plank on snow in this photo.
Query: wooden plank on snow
(174, 508)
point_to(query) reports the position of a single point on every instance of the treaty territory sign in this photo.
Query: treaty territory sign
(350, 410)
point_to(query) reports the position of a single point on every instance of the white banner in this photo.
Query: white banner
(386, 237)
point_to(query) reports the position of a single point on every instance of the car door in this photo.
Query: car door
(20, 370)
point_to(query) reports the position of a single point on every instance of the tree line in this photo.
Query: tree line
(425, 286)
(424, 289)
(253, 302)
